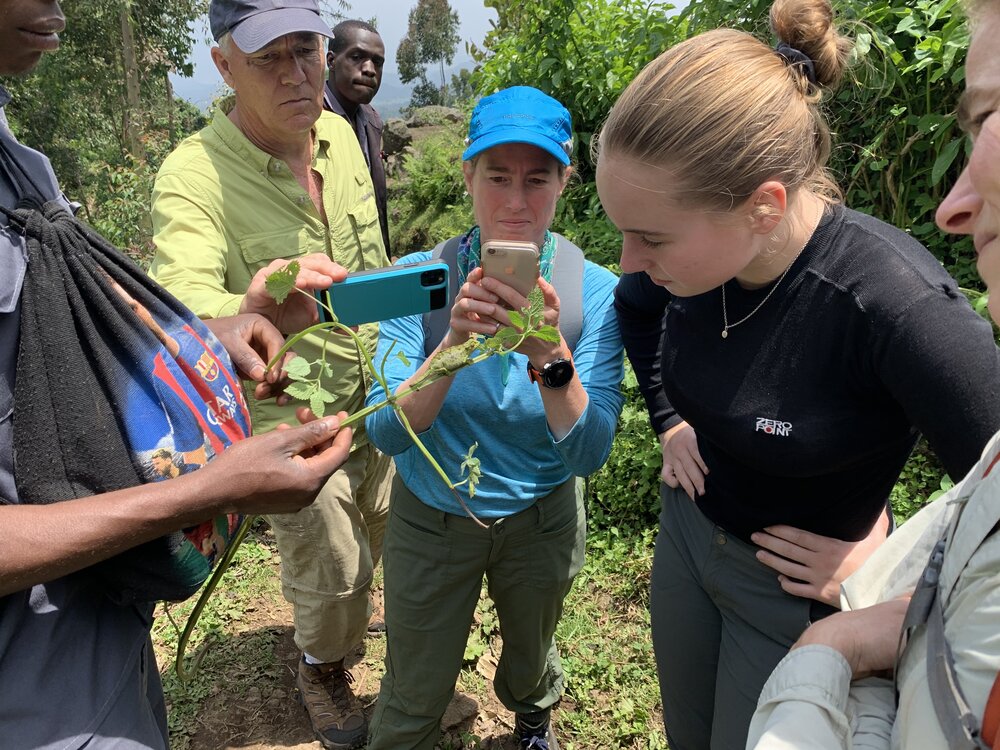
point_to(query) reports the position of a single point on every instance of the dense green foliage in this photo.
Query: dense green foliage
(582, 52)
(428, 203)
(105, 140)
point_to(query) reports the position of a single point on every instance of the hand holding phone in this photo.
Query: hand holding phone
(513, 262)
(385, 293)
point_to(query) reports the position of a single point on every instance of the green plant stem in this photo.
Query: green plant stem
(220, 569)
(391, 400)
(437, 467)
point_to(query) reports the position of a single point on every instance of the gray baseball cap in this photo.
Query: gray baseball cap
(256, 23)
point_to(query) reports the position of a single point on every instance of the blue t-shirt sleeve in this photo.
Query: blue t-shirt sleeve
(599, 362)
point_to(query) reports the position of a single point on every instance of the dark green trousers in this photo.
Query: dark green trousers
(434, 563)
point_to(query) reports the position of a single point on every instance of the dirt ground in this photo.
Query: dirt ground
(269, 717)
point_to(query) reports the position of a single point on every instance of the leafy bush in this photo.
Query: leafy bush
(920, 481)
(433, 174)
(582, 52)
(429, 203)
(625, 493)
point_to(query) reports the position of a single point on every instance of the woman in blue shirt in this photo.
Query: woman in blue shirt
(541, 416)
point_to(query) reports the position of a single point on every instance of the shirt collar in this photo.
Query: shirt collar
(233, 137)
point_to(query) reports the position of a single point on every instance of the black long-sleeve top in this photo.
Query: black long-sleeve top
(807, 412)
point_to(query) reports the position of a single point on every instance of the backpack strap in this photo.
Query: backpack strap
(567, 278)
(959, 724)
(436, 322)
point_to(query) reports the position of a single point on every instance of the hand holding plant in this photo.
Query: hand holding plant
(306, 384)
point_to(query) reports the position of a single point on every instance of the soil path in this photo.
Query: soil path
(269, 717)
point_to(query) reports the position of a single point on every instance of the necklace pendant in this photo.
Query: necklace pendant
(725, 333)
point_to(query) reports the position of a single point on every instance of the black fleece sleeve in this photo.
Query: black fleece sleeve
(641, 307)
(941, 364)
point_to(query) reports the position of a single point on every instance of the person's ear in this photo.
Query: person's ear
(567, 172)
(468, 170)
(767, 207)
(330, 57)
(222, 64)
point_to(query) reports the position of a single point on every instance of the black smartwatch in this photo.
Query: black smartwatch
(555, 374)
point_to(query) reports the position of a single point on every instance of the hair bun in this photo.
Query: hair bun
(808, 26)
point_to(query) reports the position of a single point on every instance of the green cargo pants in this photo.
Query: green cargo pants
(434, 563)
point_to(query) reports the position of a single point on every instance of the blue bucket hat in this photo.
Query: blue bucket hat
(254, 24)
(520, 114)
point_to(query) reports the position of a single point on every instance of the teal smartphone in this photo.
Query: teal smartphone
(386, 293)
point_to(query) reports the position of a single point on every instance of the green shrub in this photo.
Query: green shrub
(919, 482)
(428, 203)
(434, 171)
(582, 52)
(625, 493)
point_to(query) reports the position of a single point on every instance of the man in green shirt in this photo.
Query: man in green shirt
(274, 178)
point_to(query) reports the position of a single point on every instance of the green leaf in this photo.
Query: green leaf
(298, 368)
(403, 358)
(547, 333)
(300, 391)
(281, 283)
(471, 465)
(318, 404)
(537, 302)
(516, 319)
(931, 122)
(863, 43)
(506, 337)
(945, 159)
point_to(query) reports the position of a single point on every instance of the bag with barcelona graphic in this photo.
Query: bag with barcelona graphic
(118, 384)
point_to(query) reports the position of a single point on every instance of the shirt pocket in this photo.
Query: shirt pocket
(258, 250)
(365, 225)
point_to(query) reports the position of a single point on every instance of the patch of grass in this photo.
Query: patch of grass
(612, 696)
(239, 657)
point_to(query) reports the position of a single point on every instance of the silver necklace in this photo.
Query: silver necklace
(725, 317)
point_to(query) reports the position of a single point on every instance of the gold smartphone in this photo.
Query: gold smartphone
(513, 262)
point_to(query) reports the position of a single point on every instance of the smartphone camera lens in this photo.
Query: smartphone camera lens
(432, 278)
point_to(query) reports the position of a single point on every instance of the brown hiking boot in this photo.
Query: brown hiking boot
(336, 717)
(376, 623)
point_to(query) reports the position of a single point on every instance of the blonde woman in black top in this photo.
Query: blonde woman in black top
(789, 349)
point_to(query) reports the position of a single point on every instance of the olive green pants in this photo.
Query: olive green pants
(329, 551)
(434, 566)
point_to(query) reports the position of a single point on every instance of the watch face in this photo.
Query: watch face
(557, 373)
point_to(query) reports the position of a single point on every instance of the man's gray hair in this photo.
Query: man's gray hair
(226, 44)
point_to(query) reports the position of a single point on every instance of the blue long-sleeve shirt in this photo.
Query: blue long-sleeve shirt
(520, 459)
